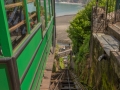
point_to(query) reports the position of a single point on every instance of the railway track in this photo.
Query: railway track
(55, 82)
(78, 84)
(65, 80)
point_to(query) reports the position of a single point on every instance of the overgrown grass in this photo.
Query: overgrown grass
(61, 63)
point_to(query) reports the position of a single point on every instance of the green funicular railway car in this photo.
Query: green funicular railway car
(27, 32)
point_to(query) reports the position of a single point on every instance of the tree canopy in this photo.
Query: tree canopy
(79, 28)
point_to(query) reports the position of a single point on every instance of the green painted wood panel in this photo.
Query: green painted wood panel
(40, 67)
(50, 27)
(42, 71)
(39, 73)
(45, 60)
(25, 57)
(43, 64)
(40, 78)
(39, 82)
(37, 76)
(29, 77)
(4, 81)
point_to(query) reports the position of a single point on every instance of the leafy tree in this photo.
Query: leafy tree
(79, 28)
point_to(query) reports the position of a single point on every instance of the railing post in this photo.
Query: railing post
(49, 8)
(116, 10)
(38, 9)
(45, 13)
(106, 9)
(54, 15)
(26, 15)
(96, 7)
(4, 32)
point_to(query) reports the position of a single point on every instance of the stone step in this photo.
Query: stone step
(114, 30)
(107, 42)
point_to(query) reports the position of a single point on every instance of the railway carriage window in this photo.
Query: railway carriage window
(42, 15)
(32, 14)
(16, 21)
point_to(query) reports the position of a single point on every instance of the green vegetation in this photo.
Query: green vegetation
(61, 63)
(79, 28)
(93, 77)
(79, 32)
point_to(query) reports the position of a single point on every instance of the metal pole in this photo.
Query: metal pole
(106, 14)
(96, 6)
(26, 15)
(45, 13)
(49, 1)
(4, 32)
(54, 17)
(116, 10)
(38, 9)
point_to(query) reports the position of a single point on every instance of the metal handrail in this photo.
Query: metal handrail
(112, 14)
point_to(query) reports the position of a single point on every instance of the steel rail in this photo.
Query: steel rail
(68, 80)
(57, 80)
(80, 86)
